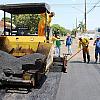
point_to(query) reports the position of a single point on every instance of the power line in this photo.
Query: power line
(90, 2)
(78, 9)
(59, 4)
(93, 7)
(98, 6)
(89, 10)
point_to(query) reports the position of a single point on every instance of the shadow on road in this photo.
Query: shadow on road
(76, 62)
(41, 82)
(56, 67)
(91, 62)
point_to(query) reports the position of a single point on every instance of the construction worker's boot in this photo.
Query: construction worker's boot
(65, 70)
(96, 60)
(84, 61)
(88, 57)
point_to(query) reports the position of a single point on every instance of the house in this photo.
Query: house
(7, 24)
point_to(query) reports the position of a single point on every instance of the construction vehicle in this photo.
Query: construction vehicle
(20, 45)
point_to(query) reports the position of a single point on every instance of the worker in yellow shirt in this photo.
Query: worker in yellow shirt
(84, 44)
(44, 23)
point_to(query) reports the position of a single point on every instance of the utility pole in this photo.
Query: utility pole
(85, 16)
(76, 28)
(76, 23)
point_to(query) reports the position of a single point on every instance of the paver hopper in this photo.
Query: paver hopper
(20, 45)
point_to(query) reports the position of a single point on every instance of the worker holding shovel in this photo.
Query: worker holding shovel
(84, 44)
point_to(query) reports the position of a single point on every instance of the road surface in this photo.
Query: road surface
(82, 82)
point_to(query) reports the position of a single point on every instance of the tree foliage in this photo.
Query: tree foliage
(7, 19)
(81, 27)
(62, 30)
(25, 20)
(29, 20)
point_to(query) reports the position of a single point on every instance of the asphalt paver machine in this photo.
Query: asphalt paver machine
(19, 44)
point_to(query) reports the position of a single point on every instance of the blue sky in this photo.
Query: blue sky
(66, 11)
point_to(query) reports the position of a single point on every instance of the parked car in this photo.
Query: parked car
(89, 36)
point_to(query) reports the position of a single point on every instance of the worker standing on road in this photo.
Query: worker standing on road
(84, 43)
(97, 48)
(58, 44)
(68, 43)
(54, 38)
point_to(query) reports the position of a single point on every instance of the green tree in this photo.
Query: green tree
(62, 30)
(29, 20)
(81, 27)
(7, 19)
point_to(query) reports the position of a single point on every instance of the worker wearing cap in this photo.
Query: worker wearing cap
(69, 43)
(58, 44)
(84, 44)
(97, 48)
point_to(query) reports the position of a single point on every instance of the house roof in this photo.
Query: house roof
(26, 8)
